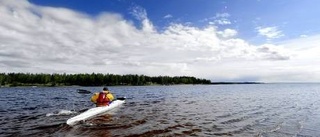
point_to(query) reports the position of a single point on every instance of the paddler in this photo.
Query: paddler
(103, 98)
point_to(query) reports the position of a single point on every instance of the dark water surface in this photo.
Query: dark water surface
(265, 110)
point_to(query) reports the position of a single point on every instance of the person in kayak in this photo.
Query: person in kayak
(103, 98)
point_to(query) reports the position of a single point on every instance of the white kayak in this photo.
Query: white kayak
(94, 112)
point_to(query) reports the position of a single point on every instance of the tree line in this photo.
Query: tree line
(94, 79)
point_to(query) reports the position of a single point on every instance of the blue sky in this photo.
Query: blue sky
(225, 40)
(244, 15)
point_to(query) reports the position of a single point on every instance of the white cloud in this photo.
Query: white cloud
(45, 39)
(272, 52)
(218, 19)
(168, 16)
(221, 22)
(269, 32)
(139, 12)
(227, 33)
(222, 15)
(222, 19)
(303, 36)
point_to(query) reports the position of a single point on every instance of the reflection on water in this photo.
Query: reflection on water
(210, 110)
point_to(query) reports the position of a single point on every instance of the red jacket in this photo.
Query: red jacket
(102, 100)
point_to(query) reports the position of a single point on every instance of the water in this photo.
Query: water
(265, 110)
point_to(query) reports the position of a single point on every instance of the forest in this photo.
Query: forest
(94, 79)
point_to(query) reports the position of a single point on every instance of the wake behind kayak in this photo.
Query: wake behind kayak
(94, 112)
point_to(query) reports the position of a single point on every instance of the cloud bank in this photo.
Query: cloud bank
(40, 39)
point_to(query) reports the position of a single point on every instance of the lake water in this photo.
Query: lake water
(262, 110)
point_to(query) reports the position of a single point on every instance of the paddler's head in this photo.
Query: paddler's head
(105, 89)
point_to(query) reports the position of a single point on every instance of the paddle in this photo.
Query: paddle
(121, 98)
(83, 91)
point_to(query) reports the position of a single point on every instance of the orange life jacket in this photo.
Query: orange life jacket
(102, 100)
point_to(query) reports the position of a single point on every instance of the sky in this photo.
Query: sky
(219, 40)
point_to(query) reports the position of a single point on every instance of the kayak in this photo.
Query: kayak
(94, 112)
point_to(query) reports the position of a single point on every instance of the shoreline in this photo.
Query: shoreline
(213, 83)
